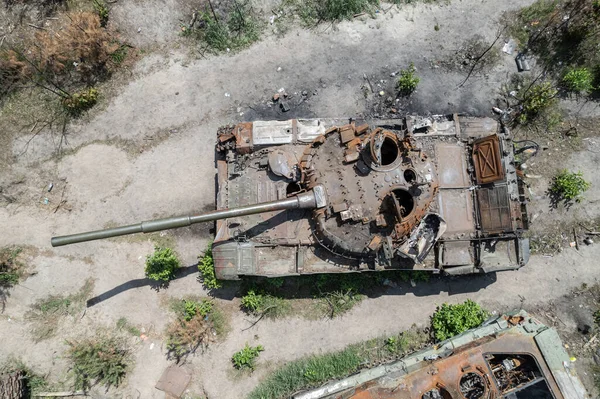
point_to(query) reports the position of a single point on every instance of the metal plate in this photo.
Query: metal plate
(452, 165)
(456, 207)
(494, 210)
(487, 160)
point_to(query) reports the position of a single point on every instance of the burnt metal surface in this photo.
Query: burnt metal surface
(396, 191)
(513, 357)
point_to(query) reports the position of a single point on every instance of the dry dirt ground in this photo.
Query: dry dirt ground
(147, 152)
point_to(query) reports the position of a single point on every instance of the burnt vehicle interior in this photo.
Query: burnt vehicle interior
(518, 376)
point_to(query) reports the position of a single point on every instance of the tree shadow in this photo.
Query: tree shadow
(141, 282)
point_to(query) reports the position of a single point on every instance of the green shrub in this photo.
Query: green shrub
(206, 267)
(102, 360)
(578, 80)
(259, 303)
(80, 102)
(246, 358)
(197, 323)
(408, 81)
(194, 308)
(451, 320)
(539, 98)
(569, 186)
(162, 264)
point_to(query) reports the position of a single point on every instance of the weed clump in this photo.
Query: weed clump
(578, 80)
(408, 81)
(198, 321)
(235, 29)
(451, 320)
(162, 265)
(80, 102)
(124, 325)
(46, 314)
(100, 360)
(569, 186)
(10, 267)
(539, 98)
(206, 267)
(246, 357)
(260, 303)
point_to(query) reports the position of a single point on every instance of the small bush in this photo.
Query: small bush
(269, 305)
(80, 102)
(194, 308)
(198, 321)
(246, 358)
(206, 267)
(539, 98)
(162, 265)
(569, 186)
(578, 80)
(408, 81)
(451, 320)
(101, 360)
(10, 267)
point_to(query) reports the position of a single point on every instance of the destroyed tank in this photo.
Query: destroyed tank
(305, 196)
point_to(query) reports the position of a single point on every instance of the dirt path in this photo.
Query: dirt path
(149, 153)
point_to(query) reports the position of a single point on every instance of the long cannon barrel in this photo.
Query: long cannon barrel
(314, 198)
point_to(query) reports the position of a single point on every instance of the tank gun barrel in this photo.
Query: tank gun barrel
(314, 198)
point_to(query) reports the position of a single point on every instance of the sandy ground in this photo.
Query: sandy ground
(148, 152)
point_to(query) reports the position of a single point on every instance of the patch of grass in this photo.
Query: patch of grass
(246, 357)
(198, 322)
(11, 270)
(536, 100)
(78, 103)
(408, 81)
(162, 265)
(206, 267)
(336, 303)
(237, 29)
(101, 360)
(313, 371)
(578, 80)
(124, 325)
(569, 186)
(269, 305)
(451, 320)
(119, 55)
(102, 10)
(46, 314)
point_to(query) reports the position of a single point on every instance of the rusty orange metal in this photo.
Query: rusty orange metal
(487, 160)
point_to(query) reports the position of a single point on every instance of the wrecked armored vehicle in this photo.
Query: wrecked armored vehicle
(513, 356)
(440, 194)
